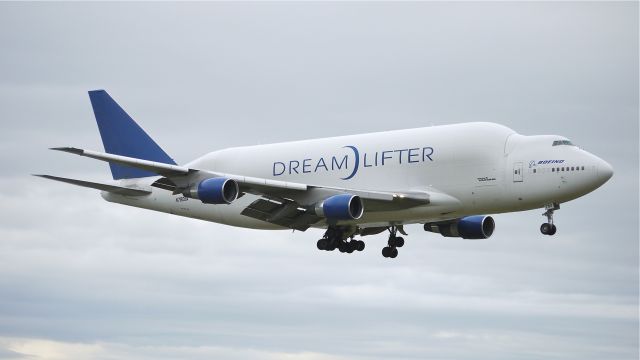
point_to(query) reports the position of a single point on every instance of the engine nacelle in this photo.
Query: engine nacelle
(217, 190)
(341, 207)
(470, 227)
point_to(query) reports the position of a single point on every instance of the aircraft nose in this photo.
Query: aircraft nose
(605, 171)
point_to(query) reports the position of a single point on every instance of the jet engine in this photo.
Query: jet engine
(217, 190)
(470, 227)
(341, 207)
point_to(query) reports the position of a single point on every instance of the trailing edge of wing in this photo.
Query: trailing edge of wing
(105, 187)
(153, 166)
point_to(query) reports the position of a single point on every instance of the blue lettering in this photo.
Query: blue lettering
(334, 162)
(292, 168)
(385, 157)
(400, 156)
(284, 167)
(365, 161)
(411, 154)
(380, 158)
(306, 166)
(427, 152)
(321, 164)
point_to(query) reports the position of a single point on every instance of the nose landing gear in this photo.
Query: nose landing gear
(549, 228)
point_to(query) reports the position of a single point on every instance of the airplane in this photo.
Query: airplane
(444, 177)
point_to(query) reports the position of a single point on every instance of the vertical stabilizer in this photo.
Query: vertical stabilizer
(121, 135)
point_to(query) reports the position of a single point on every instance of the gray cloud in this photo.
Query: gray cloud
(87, 279)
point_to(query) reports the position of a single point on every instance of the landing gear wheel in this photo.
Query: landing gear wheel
(394, 242)
(359, 245)
(351, 247)
(549, 228)
(386, 251)
(322, 244)
(545, 228)
(389, 252)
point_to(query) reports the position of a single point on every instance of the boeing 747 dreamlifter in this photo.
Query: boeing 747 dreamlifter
(444, 177)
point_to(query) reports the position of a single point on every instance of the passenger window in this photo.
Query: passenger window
(572, 168)
(553, 169)
(583, 168)
(534, 171)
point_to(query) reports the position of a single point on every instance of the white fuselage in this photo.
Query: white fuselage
(487, 167)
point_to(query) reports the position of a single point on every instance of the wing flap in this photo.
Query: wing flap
(286, 214)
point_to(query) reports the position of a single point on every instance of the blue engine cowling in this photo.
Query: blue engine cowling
(217, 190)
(341, 207)
(470, 227)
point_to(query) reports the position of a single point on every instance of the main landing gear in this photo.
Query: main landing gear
(394, 242)
(549, 228)
(338, 238)
(342, 238)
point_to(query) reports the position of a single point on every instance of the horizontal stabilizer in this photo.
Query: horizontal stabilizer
(104, 187)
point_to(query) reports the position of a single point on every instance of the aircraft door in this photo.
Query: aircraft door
(517, 172)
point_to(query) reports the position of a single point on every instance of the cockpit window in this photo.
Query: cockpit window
(562, 142)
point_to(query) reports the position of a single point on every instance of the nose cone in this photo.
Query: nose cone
(605, 171)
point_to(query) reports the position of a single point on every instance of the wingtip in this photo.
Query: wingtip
(44, 176)
(68, 149)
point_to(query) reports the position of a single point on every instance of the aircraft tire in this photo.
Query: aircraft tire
(386, 251)
(545, 229)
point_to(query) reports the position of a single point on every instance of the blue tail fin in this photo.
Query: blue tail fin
(122, 136)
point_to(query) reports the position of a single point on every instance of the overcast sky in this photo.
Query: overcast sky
(84, 279)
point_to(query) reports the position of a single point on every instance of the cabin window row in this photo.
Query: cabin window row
(564, 168)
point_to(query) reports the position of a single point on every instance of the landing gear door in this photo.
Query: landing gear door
(517, 172)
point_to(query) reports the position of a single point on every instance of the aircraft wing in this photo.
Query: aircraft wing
(284, 203)
(99, 186)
